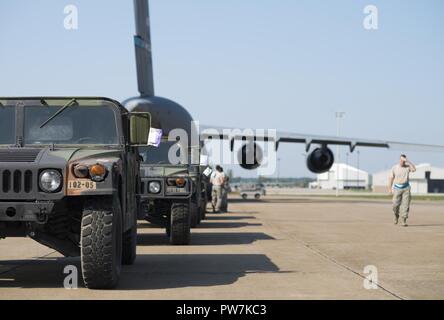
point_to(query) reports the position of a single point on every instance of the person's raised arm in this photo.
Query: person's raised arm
(411, 166)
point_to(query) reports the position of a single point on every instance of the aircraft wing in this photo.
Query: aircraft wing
(215, 132)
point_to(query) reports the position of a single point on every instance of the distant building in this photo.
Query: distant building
(343, 177)
(426, 179)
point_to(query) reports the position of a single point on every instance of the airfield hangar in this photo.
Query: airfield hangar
(426, 179)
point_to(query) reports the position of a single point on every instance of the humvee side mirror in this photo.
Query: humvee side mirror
(140, 124)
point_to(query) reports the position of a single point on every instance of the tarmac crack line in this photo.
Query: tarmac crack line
(329, 258)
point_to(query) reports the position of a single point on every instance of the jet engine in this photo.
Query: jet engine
(320, 160)
(250, 156)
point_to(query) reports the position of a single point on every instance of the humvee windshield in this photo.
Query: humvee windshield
(76, 125)
(160, 154)
(7, 125)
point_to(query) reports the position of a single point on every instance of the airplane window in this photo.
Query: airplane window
(7, 125)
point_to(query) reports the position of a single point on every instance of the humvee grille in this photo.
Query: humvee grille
(19, 155)
(16, 181)
(142, 187)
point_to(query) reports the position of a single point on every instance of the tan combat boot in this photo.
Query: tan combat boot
(404, 222)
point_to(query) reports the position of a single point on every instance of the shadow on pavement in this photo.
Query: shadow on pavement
(240, 200)
(192, 270)
(150, 272)
(227, 217)
(206, 239)
(37, 273)
(147, 225)
(228, 225)
(211, 222)
(210, 217)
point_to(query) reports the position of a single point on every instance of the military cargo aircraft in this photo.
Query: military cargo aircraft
(250, 156)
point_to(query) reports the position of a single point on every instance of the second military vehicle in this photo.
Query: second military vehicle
(69, 177)
(173, 188)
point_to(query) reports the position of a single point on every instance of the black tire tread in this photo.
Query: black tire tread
(97, 245)
(180, 224)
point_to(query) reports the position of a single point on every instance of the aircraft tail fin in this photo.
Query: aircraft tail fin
(142, 43)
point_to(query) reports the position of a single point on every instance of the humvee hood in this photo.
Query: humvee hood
(80, 154)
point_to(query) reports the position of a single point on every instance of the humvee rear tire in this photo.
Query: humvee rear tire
(101, 243)
(203, 211)
(180, 224)
(195, 213)
(129, 246)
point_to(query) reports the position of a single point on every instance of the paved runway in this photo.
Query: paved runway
(278, 248)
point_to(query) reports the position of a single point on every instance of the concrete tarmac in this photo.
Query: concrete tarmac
(277, 248)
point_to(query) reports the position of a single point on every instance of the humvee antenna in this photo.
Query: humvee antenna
(142, 44)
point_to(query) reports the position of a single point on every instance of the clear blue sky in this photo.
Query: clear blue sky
(254, 63)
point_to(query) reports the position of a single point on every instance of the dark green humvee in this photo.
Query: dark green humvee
(173, 193)
(69, 177)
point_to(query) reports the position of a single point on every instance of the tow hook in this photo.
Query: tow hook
(42, 216)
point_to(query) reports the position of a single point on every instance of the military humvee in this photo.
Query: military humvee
(173, 195)
(69, 176)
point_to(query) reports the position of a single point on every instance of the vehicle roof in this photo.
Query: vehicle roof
(166, 115)
(64, 98)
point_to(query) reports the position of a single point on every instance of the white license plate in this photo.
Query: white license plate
(176, 190)
(82, 185)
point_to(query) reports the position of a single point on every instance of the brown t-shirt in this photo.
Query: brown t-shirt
(400, 174)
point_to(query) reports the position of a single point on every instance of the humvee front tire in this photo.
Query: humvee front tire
(101, 243)
(180, 224)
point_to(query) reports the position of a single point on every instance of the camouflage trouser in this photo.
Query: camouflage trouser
(216, 195)
(401, 202)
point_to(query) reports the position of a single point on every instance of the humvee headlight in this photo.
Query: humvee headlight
(50, 180)
(180, 182)
(97, 172)
(177, 182)
(81, 171)
(154, 187)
